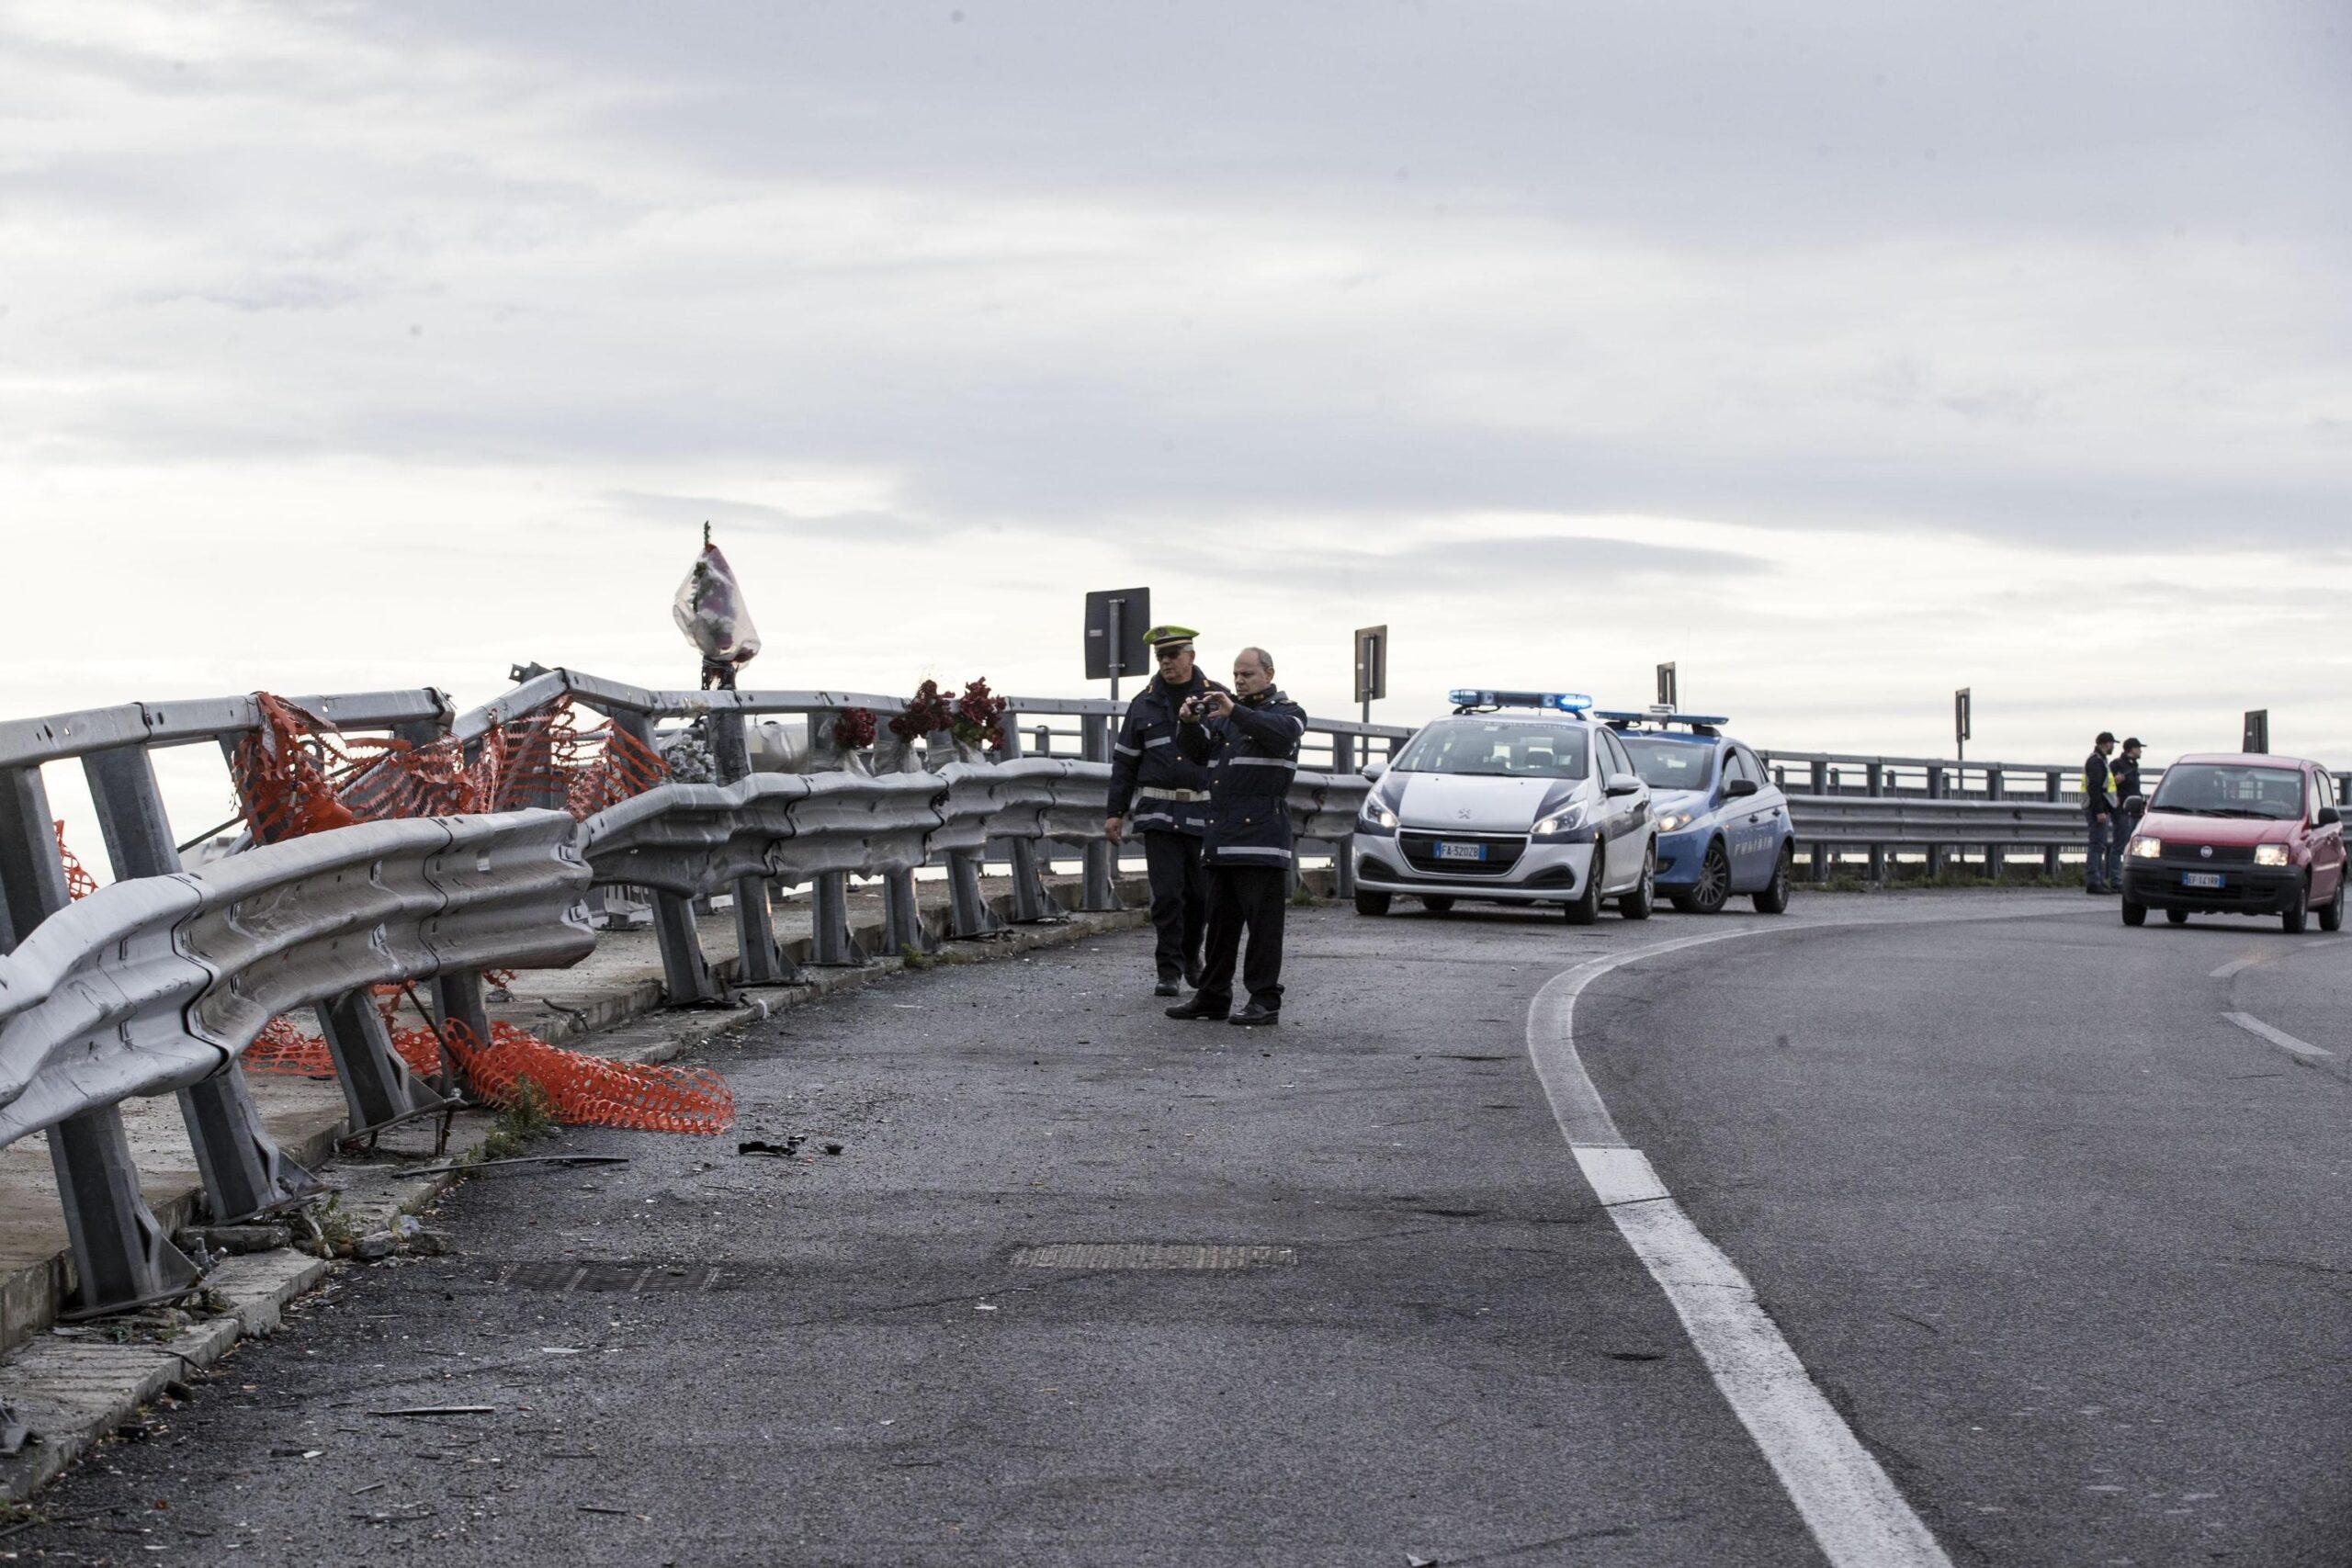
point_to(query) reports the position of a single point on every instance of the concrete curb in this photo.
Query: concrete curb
(72, 1387)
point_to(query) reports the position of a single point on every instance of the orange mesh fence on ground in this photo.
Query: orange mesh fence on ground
(295, 774)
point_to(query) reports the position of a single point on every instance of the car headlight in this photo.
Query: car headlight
(1565, 821)
(2145, 848)
(1675, 821)
(1378, 816)
(2270, 854)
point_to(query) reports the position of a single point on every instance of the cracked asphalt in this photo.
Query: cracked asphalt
(2073, 1257)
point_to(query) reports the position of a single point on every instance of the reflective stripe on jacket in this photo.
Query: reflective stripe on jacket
(1251, 757)
(1145, 756)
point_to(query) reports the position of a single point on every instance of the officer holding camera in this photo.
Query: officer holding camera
(1158, 792)
(1248, 740)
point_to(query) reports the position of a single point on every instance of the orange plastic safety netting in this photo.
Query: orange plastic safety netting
(79, 882)
(296, 774)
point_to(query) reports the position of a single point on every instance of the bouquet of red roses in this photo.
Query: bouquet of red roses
(927, 710)
(854, 728)
(977, 716)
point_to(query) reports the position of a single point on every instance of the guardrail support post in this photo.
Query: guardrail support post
(243, 1170)
(1343, 870)
(1935, 792)
(1820, 852)
(122, 1257)
(1031, 901)
(2053, 789)
(757, 961)
(687, 979)
(1099, 885)
(1876, 775)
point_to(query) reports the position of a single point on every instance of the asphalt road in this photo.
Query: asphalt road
(2069, 1251)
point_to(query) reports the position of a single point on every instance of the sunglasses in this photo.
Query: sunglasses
(1165, 654)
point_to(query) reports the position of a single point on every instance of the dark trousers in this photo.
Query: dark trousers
(1179, 900)
(1251, 898)
(2105, 866)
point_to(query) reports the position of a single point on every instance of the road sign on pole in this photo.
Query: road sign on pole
(2257, 730)
(1964, 729)
(1372, 666)
(1116, 619)
(1669, 697)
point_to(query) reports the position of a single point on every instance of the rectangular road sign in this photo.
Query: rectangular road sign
(1116, 619)
(2257, 730)
(1669, 697)
(1371, 663)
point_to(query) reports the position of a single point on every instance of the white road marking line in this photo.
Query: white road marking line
(2235, 965)
(2278, 1037)
(1845, 1497)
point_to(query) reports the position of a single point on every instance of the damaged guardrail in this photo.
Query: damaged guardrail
(157, 984)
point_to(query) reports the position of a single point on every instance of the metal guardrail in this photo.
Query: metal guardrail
(156, 984)
(1862, 821)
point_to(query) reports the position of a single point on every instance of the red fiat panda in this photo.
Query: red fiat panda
(2241, 835)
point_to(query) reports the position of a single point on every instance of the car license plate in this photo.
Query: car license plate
(2200, 879)
(1461, 852)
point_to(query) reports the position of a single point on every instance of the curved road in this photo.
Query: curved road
(2066, 1251)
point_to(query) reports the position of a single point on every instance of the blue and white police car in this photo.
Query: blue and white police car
(1722, 825)
(1518, 798)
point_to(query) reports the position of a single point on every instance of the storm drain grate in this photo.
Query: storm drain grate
(1152, 1255)
(631, 1278)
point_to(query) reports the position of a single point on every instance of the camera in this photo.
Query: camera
(1195, 709)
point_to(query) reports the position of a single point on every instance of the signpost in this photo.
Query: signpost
(1668, 697)
(2258, 731)
(1372, 666)
(1962, 722)
(1116, 619)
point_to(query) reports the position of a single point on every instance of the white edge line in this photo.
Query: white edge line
(2235, 965)
(1856, 1513)
(2278, 1037)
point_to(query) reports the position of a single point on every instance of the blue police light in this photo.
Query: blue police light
(1703, 726)
(1560, 702)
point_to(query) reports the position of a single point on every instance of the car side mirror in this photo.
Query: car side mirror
(2328, 817)
(1374, 768)
(1623, 783)
(1738, 787)
(2135, 803)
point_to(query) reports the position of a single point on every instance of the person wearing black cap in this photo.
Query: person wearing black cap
(2131, 805)
(2103, 872)
(1248, 738)
(1158, 792)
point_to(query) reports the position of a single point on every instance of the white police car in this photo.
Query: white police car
(1722, 825)
(1518, 798)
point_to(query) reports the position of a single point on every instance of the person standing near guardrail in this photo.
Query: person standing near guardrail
(1158, 791)
(2103, 872)
(1248, 740)
(2131, 803)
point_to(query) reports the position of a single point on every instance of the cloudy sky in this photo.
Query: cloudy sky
(1843, 354)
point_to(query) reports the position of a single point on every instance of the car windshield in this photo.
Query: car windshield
(1498, 748)
(1672, 765)
(2229, 789)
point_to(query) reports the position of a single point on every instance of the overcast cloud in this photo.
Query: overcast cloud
(1844, 354)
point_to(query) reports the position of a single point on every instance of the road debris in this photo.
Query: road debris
(440, 1410)
(787, 1149)
(518, 1159)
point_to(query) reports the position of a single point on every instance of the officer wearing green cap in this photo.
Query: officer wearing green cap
(1158, 792)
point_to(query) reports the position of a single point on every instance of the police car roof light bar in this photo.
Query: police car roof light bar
(1465, 699)
(1701, 724)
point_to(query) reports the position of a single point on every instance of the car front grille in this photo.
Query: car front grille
(1502, 853)
(2186, 856)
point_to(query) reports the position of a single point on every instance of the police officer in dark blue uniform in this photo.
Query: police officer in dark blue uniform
(1248, 738)
(1158, 792)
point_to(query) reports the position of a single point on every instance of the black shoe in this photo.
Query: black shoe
(1253, 1015)
(1200, 1007)
(2095, 891)
(1165, 988)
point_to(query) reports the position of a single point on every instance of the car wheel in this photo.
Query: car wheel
(2331, 914)
(1636, 904)
(2298, 914)
(2177, 916)
(2134, 914)
(1712, 890)
(1585, 908)
(1773, 898)
(1370, 903)
(1437, 904)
